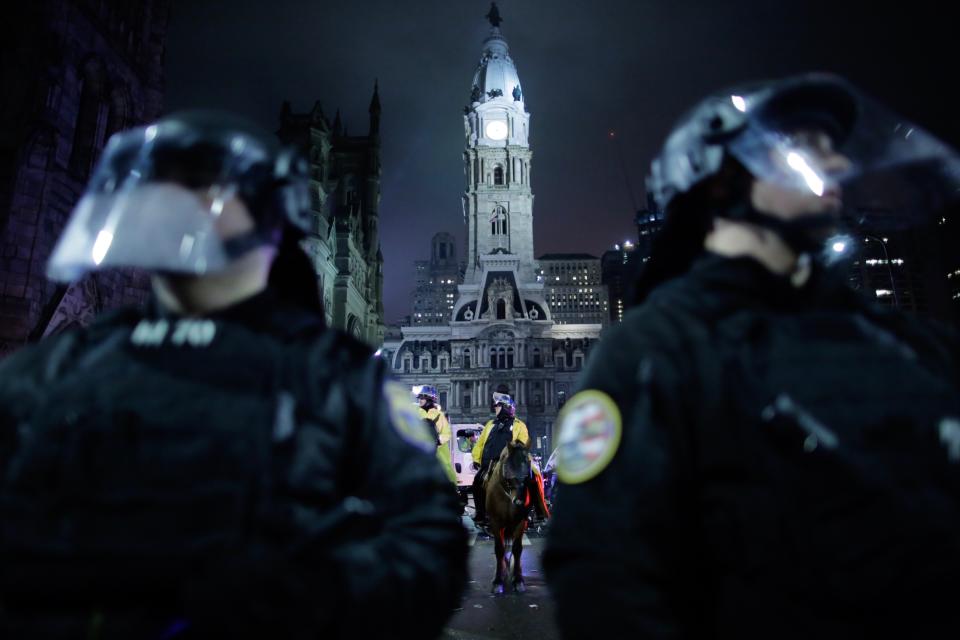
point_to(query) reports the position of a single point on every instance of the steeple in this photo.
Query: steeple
(375, 110)
(337, 124)
(496, 76)
(497, 200)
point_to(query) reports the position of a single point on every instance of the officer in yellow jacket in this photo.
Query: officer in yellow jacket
(496, 434)
(428, 398)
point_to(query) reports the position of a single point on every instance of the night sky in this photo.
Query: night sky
(586, 68)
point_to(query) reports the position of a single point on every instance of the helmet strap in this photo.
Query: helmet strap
(242, 244)
(798, 234)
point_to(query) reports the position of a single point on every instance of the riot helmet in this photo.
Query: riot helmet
(505, 402)
(814, 134)
(426, 391)
(154, 198)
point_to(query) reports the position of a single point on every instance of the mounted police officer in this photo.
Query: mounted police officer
(504, 428)
(218, 464)
(758, 450)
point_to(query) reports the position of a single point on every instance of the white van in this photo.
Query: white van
(464, 438)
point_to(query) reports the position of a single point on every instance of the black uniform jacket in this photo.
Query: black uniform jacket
(788, 468)
(242, 474)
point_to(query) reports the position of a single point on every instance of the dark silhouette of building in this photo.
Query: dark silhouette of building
(618, 268)
(73, 73)
(345, 189)
(436, 282)
(916, 269)
(649, 222)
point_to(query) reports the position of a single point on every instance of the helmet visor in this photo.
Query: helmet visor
(154, 202)
(159, 227)
(823, 138)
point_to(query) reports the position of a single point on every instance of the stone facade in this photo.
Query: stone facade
(73, 72)
(573, 289)
(436, 282)
(502, 331)
(345, 192)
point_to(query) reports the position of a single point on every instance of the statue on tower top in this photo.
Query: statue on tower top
(494, 15)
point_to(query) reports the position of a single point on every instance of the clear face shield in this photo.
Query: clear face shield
(842, 165)
(155, 201)
(505, 401)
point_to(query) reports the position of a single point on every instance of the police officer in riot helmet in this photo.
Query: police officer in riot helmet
(758, 450)
(218, 464)
(504, 428)
(430, 411)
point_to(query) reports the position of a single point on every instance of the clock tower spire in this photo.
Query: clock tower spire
(497, 200)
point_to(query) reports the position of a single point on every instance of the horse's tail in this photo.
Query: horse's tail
(541, 494)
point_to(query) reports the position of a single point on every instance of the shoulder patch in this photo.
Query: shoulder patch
(405, 417)
(590, 430)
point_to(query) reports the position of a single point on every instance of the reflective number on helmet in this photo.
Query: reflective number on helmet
(590, 430)
(405, 418)
(150, 333)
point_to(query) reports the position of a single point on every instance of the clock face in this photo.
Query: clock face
(496, 130)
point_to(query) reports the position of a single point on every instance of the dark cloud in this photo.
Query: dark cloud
(587, 67)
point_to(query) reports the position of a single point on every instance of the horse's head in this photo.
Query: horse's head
(515, 464)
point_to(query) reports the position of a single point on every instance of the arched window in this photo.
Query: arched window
(498, 175)
(536, 359)
(119, 114)
(498, 222)
(466, 359)
(501, 309)
(91, 118)
(510, 358)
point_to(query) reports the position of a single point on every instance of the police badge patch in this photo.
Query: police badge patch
(590, 430)
(406, 419)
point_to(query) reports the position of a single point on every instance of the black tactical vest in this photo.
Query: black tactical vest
(826, 444)
(156, 460)
(501, 434)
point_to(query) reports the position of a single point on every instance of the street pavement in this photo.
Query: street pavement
(482, 616)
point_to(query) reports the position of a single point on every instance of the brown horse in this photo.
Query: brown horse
(508, 502)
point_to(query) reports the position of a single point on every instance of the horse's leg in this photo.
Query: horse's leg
(518, 584)
(499, 549)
